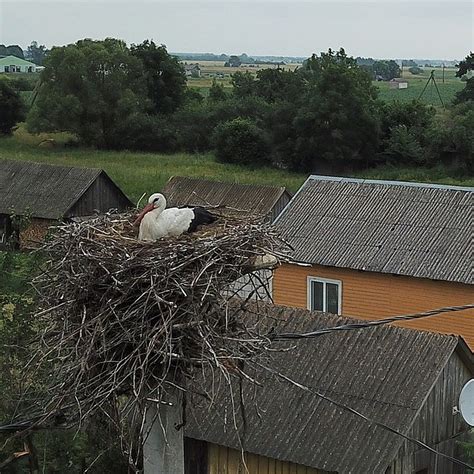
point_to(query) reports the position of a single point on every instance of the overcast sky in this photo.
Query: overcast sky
(382, 28)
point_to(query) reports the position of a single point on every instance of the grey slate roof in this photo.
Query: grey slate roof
(386, 373)
(184, 191)
(412, 229)
(42, 190)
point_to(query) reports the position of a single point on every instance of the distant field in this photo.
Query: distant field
(138, 173)
(447, 89)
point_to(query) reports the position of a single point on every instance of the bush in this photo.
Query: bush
(415, 70)
(12, 109)
(240, 141)
(402, 147)
(451, 139)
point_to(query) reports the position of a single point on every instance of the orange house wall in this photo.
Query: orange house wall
(367, 295)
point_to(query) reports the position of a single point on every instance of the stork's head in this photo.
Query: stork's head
(155, 201)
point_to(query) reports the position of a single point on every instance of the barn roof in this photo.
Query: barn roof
(385, 373)
(184, 191)
(419, 230)
(41, 190)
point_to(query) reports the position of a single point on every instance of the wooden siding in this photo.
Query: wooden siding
(367, 295)
(102, 195)
(223, 460)
(437, 426)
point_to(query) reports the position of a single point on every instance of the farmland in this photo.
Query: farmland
(211, 70)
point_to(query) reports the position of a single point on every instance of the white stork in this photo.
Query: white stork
(156, 221)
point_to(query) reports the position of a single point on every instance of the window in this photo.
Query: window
(324, 295)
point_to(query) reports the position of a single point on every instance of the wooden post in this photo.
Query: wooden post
(163, 450)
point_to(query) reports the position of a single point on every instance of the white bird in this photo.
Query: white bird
(156, 221)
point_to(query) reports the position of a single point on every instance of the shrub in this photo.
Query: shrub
(402, 147)
(415, 70)
(240, 141)
(12, 109)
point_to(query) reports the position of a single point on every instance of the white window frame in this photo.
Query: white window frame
(310, 279)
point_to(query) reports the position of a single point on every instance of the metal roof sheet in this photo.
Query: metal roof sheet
(41, 190)
(386, 373)
(411, 229)
(184, 191)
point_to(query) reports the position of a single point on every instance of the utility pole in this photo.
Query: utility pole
(163, 449)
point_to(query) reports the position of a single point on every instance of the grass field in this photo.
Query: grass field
(137, 173)
(416, 84)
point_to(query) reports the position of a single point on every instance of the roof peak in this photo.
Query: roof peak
(315, 177)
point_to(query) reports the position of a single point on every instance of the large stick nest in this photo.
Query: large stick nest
(125, 317)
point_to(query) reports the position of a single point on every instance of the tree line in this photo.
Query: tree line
(323, 117)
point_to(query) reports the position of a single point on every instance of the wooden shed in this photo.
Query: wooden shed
(406, 380)
(373, 248)
(33, 196)
(261, 200)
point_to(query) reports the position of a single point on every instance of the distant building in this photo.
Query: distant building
(398, 83)
(41, 195)
(192, 70)
(11, 64)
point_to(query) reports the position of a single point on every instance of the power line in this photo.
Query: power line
(369, 324)
(365, 418)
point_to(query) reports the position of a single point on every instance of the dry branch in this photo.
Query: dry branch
(125, 319)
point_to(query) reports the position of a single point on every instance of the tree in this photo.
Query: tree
(240, 141)
(243, 84)
(164, 76)
(467, 94)
(277, 84)
(387, 69)
(335, 125)
(12, 109)
(217, 92)
(35, 53)
(415, 70)
(234, 61)
(90, 88)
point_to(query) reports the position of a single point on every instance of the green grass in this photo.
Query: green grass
(138, 173)
(437, 175)
(416, 84)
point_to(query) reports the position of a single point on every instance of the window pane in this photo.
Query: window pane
(332, 298)
(316, 296)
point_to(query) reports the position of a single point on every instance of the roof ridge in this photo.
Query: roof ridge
(415, 184)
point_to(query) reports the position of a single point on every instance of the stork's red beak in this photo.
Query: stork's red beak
(147, 208)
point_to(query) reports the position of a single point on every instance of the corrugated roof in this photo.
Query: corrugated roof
(41, 190)
(412, 229)
(184, 191)
(386, 373)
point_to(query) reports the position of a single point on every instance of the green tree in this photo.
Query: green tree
(12, 109)
(217, 92)
(243, 84)
(164, 76)
(415, 70)
(240, 141)
(336, 125)
(90, 88)
(464, 67)
(36, 53)
(387, 69)
(277, 84)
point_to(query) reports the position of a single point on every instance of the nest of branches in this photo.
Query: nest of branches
(125, 319)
